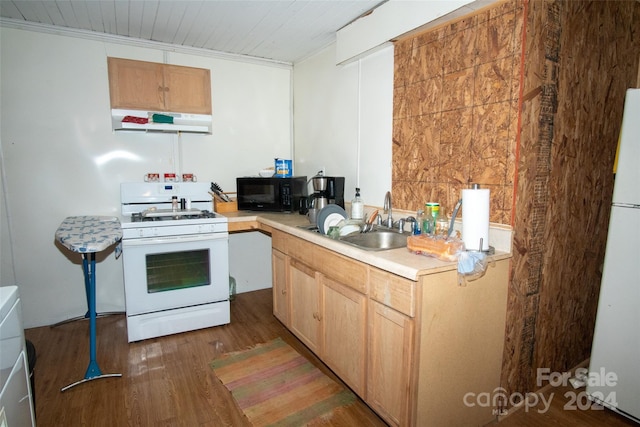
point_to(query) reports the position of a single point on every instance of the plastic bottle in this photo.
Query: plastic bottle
(357, 206)
(435, 209)
(442, 225)
(419, 219)
(431, 210)
(174, 203)
(426, 219)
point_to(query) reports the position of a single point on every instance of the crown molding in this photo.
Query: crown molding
(130, 41)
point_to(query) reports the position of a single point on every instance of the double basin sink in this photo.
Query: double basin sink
(378, 239)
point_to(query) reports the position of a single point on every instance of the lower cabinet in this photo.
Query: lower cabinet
(304, 298)
(411, 349)
(279, 268)
(344, 314)
(390, 356)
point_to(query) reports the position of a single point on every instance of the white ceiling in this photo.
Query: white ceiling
(280, 30)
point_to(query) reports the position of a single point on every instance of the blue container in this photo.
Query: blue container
(284, 168)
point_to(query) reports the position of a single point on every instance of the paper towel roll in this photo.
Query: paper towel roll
(475, 218)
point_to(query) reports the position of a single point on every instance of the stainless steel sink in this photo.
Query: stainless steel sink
(377, 240)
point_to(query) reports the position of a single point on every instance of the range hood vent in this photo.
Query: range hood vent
(182, 122)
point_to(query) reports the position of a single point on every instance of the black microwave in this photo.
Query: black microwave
(271, 194)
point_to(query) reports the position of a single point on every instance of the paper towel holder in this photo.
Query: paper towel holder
(490, 251)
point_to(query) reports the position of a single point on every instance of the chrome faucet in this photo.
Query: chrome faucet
(411, 220)
(388, 209)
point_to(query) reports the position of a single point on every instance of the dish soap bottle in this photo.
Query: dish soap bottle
(357, 206)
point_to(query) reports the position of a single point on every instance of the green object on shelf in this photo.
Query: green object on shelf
(161, 118)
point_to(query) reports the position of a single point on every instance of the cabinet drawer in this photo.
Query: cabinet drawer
(302, 267)
(339, 268)
(393, 291)
(278, 241)
(345, 270)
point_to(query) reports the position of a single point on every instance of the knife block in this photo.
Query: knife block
(222, 207)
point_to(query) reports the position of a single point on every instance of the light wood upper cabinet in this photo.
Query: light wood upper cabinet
(140, 85)
(187, 89)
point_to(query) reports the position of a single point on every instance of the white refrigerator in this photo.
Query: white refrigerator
(614, 369)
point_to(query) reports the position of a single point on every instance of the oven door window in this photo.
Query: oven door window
(177, 270)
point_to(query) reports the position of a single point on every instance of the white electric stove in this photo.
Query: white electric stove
(175, 259)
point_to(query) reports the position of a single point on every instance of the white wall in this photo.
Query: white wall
(343, 120)
(61, 158)
(250, 260)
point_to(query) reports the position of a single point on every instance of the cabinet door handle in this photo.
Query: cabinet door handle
(284, 291)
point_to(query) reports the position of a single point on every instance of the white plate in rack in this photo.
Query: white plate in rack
(329, 216)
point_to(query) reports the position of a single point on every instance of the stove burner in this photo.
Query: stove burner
(137, 217)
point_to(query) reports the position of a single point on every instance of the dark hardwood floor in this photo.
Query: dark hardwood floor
(167, 381)
(564, 406)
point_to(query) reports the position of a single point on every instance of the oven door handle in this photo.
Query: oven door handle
(146, 241)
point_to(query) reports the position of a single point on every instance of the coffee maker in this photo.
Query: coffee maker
(335, 190)
(327, 190)
(320, 196)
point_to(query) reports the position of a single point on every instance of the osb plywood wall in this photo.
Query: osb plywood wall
(580, 59)
(590, 95)
(472, 105)
(455, 111)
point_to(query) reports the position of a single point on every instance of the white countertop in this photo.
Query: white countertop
(398, 261)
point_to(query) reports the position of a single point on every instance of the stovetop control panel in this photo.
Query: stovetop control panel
(156, 229)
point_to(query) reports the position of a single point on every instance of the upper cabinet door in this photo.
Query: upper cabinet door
(141, 85)
(187, 89)
(136, 85)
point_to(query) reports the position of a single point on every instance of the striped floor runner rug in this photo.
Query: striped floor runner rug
(275, 386)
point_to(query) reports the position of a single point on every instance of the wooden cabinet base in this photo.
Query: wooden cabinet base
(390, 355)
(418, 352)
(344, 344)
(462, 339)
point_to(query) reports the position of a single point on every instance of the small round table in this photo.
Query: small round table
(88, 235)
